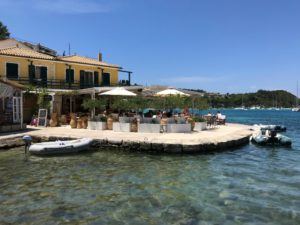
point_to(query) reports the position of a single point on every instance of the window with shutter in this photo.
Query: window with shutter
(82, 85)
(31, 73)
(70, 76)
(43, 76)
(106, 79)
(12, 70)
(96, 79)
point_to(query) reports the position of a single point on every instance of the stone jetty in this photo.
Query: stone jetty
(214, 139)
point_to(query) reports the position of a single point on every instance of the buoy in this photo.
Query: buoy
(27, 139)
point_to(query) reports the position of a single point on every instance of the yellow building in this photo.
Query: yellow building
(37, 65)
(28, 66)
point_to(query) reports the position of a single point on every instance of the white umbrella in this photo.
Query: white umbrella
(171, 91)
(118, 91)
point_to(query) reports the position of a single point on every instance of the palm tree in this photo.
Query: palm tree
(4, 34)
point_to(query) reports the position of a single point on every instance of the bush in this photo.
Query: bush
(103, 119)
(94, 103)
(198, 119)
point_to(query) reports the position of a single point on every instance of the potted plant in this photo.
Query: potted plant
(97, 123)
(151, 127)
(174, 127)
(200, 123)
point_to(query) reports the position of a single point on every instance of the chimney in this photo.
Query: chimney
(100, 57)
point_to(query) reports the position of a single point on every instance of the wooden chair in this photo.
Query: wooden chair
(210, 120)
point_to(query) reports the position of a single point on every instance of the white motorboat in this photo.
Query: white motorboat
(297, 109)
(60, 147)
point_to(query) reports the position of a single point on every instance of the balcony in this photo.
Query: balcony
(62, 84)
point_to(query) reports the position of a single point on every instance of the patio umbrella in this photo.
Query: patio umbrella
(118, 91)
(170, 91)
(148, 110)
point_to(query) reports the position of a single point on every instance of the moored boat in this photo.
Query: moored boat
(60, 147)
(270, 138)
(297, 109)
(277, 128)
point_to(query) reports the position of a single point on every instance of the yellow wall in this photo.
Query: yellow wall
(61, 72)
(23, 66)
(56, 70)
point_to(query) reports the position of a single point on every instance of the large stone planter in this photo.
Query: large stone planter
(148, 128)
(121, 127)
(179, 128)
(123, 119)
(96, 125)
(199, 126)
(73, 121)
(109, 123)
(53, 120)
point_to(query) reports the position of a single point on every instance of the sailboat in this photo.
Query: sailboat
(243, 106)
(297, 108)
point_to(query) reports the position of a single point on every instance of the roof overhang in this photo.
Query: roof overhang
(12, 83)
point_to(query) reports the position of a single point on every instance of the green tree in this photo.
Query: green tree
(90, 104)
(4, 34)
(197, 102)
(42, 101)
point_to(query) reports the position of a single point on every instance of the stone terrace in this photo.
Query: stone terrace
(215, 139)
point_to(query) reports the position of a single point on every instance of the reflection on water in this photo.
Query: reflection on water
(247, 186)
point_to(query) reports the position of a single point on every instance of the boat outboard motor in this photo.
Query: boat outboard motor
(27, 139)
(273, 134)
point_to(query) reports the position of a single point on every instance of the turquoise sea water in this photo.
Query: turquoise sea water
(249, 185)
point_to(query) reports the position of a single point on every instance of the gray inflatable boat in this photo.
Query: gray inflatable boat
(273, 139)
(60, 147)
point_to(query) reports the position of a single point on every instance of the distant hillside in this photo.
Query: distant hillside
(278, 98)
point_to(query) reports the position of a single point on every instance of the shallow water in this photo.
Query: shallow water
(249, 185)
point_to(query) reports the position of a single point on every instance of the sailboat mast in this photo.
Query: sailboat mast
(242, 100)
(297, 94)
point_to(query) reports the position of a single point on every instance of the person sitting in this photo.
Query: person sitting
(186, 111)
(221, 119)
(163, 123)
(159, 114)
(149, 114)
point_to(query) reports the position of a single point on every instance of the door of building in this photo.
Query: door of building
(86, 79)
(106, 79)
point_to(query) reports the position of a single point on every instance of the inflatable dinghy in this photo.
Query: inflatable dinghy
(60, 147)
(277, 128)
(274, 139)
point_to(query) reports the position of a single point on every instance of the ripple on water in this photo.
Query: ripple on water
(247, 186)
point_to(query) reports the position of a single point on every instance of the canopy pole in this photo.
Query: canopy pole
(71, 104)
(93, 110)
(21, 110)
(129, 78)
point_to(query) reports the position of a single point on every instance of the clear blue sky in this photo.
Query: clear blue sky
(216, 45)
